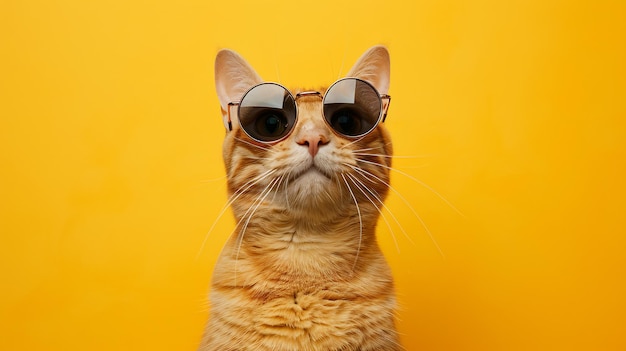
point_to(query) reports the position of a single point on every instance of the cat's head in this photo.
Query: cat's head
(298, 154)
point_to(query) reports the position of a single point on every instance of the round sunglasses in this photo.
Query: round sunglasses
(352, 107)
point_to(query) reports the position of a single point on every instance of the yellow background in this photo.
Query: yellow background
(111, 170)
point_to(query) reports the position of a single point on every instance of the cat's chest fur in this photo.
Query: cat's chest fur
(300, 294)
(290, 254)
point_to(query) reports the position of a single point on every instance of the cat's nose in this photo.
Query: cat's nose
(313, 141)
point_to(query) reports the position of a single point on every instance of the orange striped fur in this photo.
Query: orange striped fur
(303, 270)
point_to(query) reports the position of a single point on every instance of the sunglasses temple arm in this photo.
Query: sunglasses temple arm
(230, 123)
(385, 106)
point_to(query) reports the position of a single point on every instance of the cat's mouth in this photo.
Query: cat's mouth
(311, 173)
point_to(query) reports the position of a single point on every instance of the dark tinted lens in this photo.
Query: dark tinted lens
(267, 112)
(352, 107)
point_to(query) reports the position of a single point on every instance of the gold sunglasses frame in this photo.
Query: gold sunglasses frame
(385, 101)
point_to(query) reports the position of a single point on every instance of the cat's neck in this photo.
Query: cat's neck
(299, 245)
(333, 220)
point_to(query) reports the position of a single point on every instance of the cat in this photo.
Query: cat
(304, 270)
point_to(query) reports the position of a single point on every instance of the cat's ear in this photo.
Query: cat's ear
(233, 77)
(373, 67)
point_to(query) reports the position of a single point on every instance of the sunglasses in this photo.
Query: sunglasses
(351, 107)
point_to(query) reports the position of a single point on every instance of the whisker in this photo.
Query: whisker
(388, 156)
(237, 225)
(358, 210)
(371, 148)
(417, 181)
(382, 215)
(279, 183)
(287, 178)
(265, 148)
(407, 203)
(387, 208)
(230, 201)
(253, 157)
(260, 199)
(352, 142)
(339, 185)
(343, 60)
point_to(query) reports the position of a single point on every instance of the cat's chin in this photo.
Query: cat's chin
(311, 190)
(312, 175)
(310, 183)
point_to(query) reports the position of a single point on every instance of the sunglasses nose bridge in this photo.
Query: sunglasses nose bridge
(308, 93)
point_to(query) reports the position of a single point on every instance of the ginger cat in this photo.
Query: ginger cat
(307, 174)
